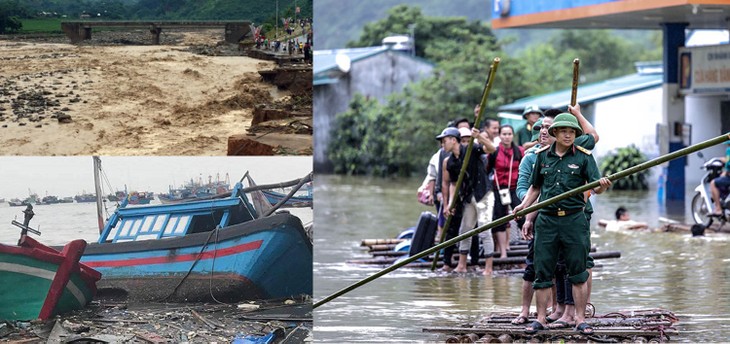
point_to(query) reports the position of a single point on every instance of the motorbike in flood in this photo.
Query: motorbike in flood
(702, 202)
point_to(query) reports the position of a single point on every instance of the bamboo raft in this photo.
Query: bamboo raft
(383, 253)
(652, 325)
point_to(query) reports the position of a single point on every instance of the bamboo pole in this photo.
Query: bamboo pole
(638, 168)
(462, 172)
(574, 90)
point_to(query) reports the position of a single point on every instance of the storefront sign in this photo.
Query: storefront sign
(704, 70)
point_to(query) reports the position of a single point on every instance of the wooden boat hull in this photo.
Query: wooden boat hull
(39, 282)
(264, 258)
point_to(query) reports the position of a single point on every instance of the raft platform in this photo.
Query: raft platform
(652, 325)
(384, 252)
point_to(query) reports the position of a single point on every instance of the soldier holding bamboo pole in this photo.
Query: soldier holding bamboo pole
(563, 303)
(562, 227)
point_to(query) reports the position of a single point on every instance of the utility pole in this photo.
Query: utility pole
(412, 28)
(295, 17)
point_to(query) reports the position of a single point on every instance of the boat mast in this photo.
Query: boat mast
(97, 187)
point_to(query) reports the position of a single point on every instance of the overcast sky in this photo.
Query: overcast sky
(69, 176)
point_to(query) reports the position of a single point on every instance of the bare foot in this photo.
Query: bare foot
(487, 273)
(446, 268)
(460, 270)
(521, 319)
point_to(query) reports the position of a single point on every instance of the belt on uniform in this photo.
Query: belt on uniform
(561, 212)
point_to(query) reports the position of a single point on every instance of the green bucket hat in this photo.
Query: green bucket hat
(566, 120)
(531, 109)
(536, 129)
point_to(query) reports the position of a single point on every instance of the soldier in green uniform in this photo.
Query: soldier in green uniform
(524, 136)
(563, 226)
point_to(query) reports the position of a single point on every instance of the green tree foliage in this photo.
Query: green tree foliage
(10, 13)
(436, 37)
(622, 159)
(254, 10)
(602, 55)
(359, 138)
(346, 18)
(462, 52)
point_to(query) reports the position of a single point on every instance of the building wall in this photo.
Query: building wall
(376, 77)
(629, 119)
(704, 115)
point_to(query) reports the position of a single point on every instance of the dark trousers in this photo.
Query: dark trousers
(564, 288)
(501, 210)
(451, 233)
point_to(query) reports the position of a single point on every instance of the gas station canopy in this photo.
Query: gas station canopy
(609, 14)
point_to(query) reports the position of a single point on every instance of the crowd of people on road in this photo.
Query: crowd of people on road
(509, 171)
(291, 45)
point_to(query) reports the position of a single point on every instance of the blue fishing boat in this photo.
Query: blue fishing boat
(196, 190)
(296, 201)
(140, 197)
(220, 248)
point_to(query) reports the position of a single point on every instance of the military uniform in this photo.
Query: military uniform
(523, 184)
(524, 134)
(563, 225)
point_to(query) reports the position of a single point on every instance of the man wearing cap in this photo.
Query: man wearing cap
(449, 137)
(472, 189)
(563, 303)
(562, 227)
(524, 136)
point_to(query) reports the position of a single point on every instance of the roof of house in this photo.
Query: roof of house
(326, 70)
(649, 76)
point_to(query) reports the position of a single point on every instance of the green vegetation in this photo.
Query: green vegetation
(397, 138)
(10, 14)
(41, 15)
(622, 159)
(346, 18)
(41, 25)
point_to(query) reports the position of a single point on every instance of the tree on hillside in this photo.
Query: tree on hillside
(10, 14)
(463, 52)
(428, 31)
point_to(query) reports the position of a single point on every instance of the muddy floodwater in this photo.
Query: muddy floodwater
(689, 276)
(122, 96)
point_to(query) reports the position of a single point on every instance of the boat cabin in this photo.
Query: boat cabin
(176, 220)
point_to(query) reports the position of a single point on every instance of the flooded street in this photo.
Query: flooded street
(689, 276)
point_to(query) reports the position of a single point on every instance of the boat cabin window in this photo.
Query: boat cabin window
(161, 226)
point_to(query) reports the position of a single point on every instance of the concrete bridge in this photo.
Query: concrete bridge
(234, 30)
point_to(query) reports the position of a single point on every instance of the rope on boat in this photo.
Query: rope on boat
(638, 168)
(192, 266)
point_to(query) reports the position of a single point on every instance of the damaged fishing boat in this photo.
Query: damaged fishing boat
(220, 248)
(39, 282)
